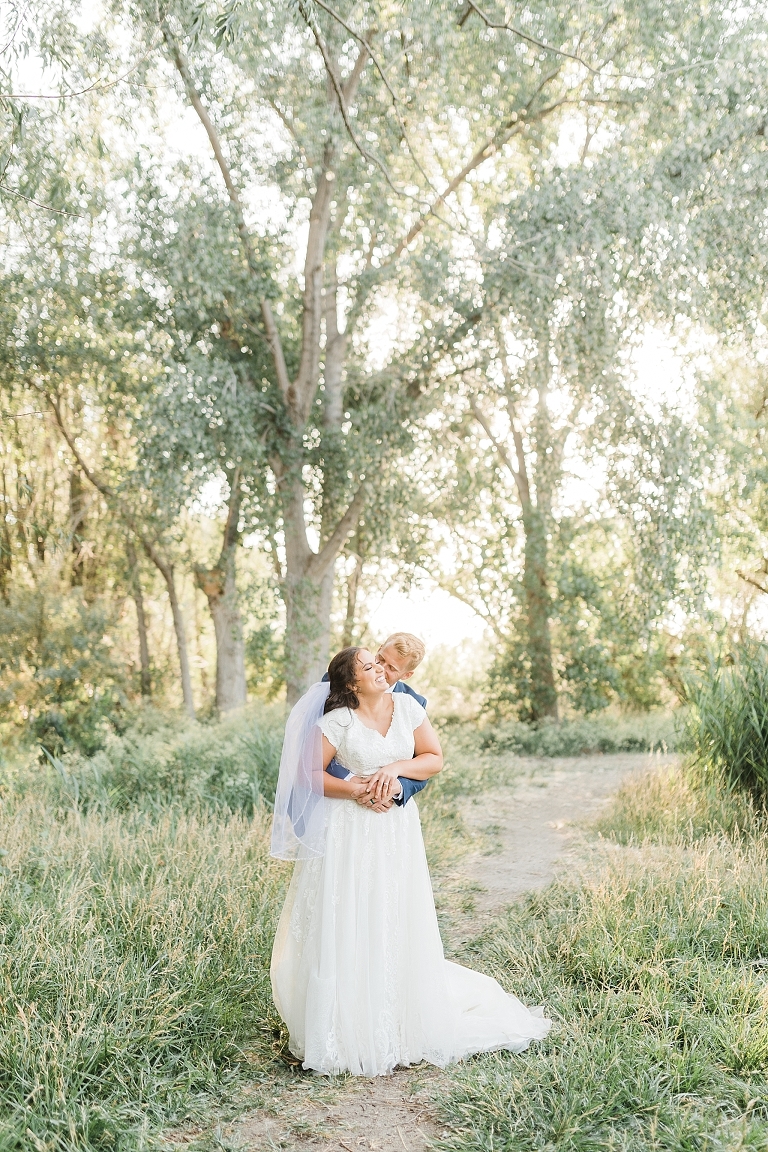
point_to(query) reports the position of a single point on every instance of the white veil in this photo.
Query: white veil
(298, 824)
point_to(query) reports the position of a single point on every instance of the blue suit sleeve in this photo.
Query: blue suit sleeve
(410, 788)
(338, 770)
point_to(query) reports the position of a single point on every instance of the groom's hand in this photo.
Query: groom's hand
(366, 801)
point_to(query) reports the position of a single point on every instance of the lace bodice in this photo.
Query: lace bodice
(363, 750)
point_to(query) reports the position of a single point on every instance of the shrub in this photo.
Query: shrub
(649, 732)
(726, 724)
(231, 764)
(60, 680)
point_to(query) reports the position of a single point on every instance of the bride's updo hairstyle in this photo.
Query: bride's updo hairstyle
(342, 673)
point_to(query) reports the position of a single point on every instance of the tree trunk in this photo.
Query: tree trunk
(307, 587)
(166, 571)
(536, 520)
(141, 618)
(220, 589)
(353, 583)
(83, 560)
(307, 631)
(537, 601)
(537, 605)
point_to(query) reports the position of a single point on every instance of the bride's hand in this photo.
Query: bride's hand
(383, 785)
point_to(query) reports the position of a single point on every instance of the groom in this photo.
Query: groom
(398, 657)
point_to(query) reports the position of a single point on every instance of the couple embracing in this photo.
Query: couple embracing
(358, 971)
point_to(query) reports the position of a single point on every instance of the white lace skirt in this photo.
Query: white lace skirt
(358, 972)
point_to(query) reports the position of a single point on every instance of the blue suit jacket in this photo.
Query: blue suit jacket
(410, 787)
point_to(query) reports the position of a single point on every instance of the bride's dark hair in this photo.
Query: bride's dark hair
(342, 673)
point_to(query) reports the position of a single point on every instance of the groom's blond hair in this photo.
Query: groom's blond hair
(408, 647)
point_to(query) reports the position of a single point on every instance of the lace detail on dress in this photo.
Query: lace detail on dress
(364, 750)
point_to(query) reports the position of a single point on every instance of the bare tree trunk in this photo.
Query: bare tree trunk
(220, 587)
(308, 588)
(166, 571)
(536, 519)
(199, 645)
(353, 583)
(538, 609)
(141, 618)
(536, 513)
(83, 561)
(307, 631)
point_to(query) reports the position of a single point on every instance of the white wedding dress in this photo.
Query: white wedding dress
(358, 971)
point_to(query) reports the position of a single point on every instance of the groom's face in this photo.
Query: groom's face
(393, 665)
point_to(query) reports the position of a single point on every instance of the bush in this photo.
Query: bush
(649, 732)
(231, 764)
(60, 679)
(726, 724)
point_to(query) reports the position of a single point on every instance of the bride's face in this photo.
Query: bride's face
(370, 679)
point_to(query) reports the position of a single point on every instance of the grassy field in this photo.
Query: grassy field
(136, 933)
(655, 968)
(138, 902)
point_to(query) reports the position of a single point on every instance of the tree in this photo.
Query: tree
(365, 119)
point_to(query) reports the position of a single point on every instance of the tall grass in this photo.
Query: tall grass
(726, 727)
(135, 933)
(672, 805)
(654, 968)
(135, 953)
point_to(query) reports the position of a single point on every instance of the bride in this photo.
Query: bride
(358, 971)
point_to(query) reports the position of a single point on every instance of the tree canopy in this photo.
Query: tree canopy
(294, 291)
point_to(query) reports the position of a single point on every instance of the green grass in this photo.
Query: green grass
(726, 728)
(134, 963)
(230, 765)
(655, 970)
(138, 904)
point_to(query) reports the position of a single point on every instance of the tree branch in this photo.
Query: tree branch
(182, 66)
(276, 348)
(512, 127)
(521, 482)
(319, 564)
(364, 42)
(39, 204)
(341, 93)
(750, 580)
(507, 27)
(487, 617)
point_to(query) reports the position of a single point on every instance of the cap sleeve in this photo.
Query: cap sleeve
(414, 710)
(334, 724)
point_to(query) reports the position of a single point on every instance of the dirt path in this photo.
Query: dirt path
(527, 832)
(388, 1114)
(532, 829)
